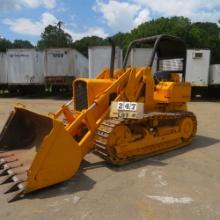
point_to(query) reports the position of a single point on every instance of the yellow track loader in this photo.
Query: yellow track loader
(122, 115)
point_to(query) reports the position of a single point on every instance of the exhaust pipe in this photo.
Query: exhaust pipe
(112, 62)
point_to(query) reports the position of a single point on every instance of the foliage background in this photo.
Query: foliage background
(201, 35)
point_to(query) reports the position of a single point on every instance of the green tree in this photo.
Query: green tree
(86, 42)
(205, 35)
(22, 44)
(122, 39)
(4, 45)
(177, 26)
(196, 35)
(54, 36)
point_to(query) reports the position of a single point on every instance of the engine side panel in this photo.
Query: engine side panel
(171, 92)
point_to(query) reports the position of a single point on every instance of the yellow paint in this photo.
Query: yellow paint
(61, 151)
(171, 92)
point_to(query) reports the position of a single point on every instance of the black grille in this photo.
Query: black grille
(81, 101)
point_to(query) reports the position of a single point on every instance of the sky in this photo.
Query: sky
(26, 19)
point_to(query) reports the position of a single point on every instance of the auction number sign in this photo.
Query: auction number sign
(127, 106)
(132, 110)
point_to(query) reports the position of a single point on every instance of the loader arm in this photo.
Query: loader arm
(86, 117)
(39, 151)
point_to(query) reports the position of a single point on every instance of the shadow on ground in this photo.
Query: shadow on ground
(157, 160)
(81, 182)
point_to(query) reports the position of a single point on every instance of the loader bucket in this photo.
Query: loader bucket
(35, 152)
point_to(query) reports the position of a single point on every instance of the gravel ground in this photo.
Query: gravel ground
(182, 184)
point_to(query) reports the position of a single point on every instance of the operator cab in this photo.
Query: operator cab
(168, 65)
(167, 59)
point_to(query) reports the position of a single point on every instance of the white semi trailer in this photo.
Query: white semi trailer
(25, 68)
(99, 58)
(139, 56)
(62, 66)
(197, 67)
(197, 71)
(214, 80)
(3, 71)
